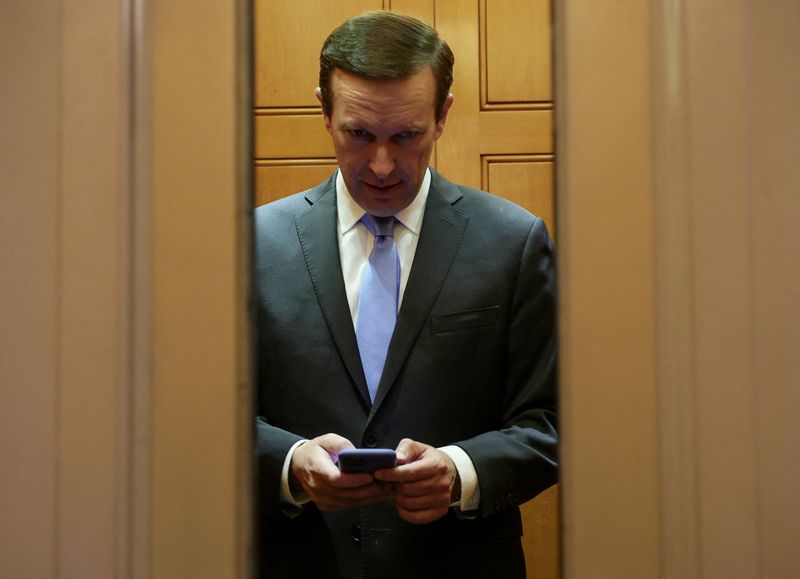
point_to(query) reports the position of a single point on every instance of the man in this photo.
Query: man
(465, 389)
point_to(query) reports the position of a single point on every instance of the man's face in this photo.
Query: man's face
(383, 132)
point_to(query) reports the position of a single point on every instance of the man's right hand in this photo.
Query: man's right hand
(313, 468)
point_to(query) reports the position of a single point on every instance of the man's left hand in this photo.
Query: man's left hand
(423, 481)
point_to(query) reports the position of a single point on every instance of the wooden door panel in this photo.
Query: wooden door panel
(292, 148)
(287, 38)
(522, 132)
(503, 92)
(422, 9)
(291, 136)
(514, 72)
(458, 153)
(541, 535)
(525, 180)
(274, 178)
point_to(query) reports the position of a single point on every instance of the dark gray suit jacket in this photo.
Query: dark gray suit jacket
(471, 363)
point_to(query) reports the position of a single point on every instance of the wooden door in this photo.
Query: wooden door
(498, 136)
(499, 132)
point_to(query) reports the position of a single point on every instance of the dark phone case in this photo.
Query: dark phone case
(366, 459)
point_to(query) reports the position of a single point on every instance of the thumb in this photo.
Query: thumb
(333, 443)
(408, 451)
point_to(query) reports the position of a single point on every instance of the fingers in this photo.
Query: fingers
(424, 500)
(315, 458)
(336, 499)
(313, 468)
(422, 516)
(333, 443)
(420, 462)
(423, 484)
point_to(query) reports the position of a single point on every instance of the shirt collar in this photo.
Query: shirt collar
(350, 213)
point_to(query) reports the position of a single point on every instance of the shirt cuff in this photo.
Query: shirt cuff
(286, 494)
(470, 491)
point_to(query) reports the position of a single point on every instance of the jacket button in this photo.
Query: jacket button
(355, 531)
(370, 440)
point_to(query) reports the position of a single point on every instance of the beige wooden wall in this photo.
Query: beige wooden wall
(124, 415)
(678, 174)
(64, 259)
(678, 201)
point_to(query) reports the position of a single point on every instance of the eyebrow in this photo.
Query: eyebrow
(351, 125)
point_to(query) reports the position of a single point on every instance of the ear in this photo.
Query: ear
(448, 102)
(326, 119)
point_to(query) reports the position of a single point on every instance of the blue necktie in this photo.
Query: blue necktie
(377, 303)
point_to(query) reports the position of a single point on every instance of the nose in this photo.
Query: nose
(381, 161)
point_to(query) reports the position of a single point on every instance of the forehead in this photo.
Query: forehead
(410, 98)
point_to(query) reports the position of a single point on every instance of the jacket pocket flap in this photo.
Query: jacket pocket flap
(464, 320)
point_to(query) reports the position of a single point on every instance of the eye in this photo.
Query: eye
(358, 133)
(407, 135)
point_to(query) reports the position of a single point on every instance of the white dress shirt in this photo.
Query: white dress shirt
(355, 245)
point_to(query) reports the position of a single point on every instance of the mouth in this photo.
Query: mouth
(383, 188)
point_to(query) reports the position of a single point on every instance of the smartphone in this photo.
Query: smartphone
(366, 459)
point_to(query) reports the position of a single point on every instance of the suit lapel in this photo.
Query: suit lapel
(316, 229)
(442, 231)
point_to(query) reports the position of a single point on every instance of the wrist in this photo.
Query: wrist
(296, 488)
(455, 488)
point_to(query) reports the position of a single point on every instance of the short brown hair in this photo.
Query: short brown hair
(385, 45)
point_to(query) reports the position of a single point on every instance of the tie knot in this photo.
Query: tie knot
(379, 226)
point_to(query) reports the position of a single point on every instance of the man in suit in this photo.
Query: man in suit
(465, 390)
